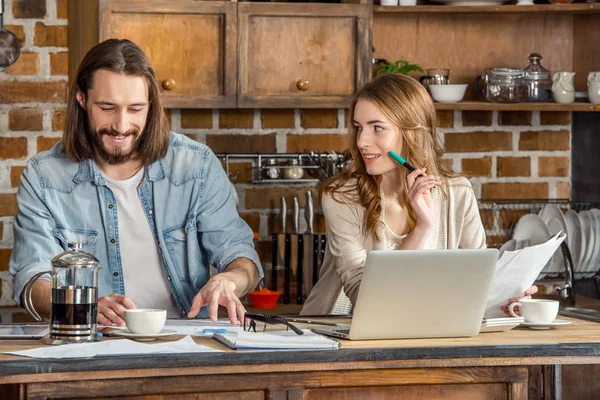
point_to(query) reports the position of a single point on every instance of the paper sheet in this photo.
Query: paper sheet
(193, 327)
(516, 271)
(114, 347)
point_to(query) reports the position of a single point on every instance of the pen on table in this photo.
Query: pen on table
(207, 330)
(308, 321)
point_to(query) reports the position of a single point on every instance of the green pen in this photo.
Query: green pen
(401, 160)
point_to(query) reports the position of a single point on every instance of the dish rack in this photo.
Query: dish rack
(500, 218)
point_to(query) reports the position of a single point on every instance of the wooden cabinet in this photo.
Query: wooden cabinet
(469, 39)
(290, 55)
(302, 55)
(192, 45)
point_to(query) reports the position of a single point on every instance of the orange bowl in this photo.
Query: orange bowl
(264, 299)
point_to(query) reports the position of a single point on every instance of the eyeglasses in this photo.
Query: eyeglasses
(251, 319)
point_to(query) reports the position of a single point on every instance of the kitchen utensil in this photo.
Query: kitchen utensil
(448, 93)
(503, 85)
(315, 258)
(9, 44)
(308, 243)
(287, 273)
(300, 270)
(282, 228)
(298, 253)
(74, 297)
(563, 89)
(537, 79)
(295, 232)
(435, 76)
(274, 263)
(593, 82)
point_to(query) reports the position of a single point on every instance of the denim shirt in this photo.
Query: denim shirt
(189, 205)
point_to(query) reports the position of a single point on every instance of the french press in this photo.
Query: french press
(74, 311)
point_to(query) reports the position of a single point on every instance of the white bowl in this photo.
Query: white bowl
(448, 93)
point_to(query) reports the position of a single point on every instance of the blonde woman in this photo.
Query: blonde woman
(378, 204)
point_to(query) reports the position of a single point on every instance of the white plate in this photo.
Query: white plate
(552, 215)
(144, 337)
(533, 230)
(511, 245)
(557, 262)
(589, 235)
(594, 265)
(470, 2)
(556, 322)
(552, 210)
(574, 238)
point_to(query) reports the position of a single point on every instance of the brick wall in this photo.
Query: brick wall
(507, 154)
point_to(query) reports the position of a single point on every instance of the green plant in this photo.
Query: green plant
(399, 67)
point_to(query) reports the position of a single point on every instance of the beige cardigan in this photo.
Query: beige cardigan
(457, 225)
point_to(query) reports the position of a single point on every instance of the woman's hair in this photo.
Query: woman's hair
(123, 57)
(408, 106)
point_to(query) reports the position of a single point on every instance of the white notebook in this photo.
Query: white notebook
(276, 340)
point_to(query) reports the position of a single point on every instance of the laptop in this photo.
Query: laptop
(420, 294)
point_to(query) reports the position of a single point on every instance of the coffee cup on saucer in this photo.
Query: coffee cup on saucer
(536, 311)
(145, 321)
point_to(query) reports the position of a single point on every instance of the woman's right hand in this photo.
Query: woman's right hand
(419, 196)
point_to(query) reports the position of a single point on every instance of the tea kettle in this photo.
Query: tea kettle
(74, 312)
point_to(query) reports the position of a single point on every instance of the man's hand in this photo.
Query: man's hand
(111, 309)
(225, 289)
(219, 290)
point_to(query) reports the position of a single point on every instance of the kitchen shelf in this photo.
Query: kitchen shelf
(485, 106)
(284, 181)
(545, 8)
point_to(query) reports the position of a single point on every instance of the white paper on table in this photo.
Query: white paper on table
(516, 271)
(114, 347)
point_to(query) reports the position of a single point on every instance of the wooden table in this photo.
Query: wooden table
(502, 365)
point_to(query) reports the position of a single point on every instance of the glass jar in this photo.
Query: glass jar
(271, 169)
(506, 85)
(538, 80)
(293, 170)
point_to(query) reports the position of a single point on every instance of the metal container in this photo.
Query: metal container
(74, 312)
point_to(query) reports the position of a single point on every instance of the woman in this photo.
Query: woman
(378, 204)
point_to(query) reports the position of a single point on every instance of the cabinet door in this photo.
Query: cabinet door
(301, 55)
(191, 44)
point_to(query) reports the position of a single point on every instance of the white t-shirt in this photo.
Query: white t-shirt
(143, 274)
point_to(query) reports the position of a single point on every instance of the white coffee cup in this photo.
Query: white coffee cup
(145, 320)
(536, 311)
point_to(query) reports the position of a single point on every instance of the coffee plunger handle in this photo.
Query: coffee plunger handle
(26, 296)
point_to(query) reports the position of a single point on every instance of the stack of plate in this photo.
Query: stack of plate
(583, 238)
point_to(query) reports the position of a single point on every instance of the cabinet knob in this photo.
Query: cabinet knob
(168, 84)
(302, 85)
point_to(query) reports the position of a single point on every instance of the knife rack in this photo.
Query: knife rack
(318, 166)
(302, 256)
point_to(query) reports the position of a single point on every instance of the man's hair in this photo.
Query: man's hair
(123, 57)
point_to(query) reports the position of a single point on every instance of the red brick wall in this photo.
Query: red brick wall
(507, 154)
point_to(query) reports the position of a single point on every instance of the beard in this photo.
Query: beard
(117, 155)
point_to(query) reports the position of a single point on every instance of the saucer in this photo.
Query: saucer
(144, 337)
(556, 322)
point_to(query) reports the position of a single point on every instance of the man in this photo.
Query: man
(155, 207)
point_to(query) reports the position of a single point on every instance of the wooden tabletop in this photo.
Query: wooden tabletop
(577, 343)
